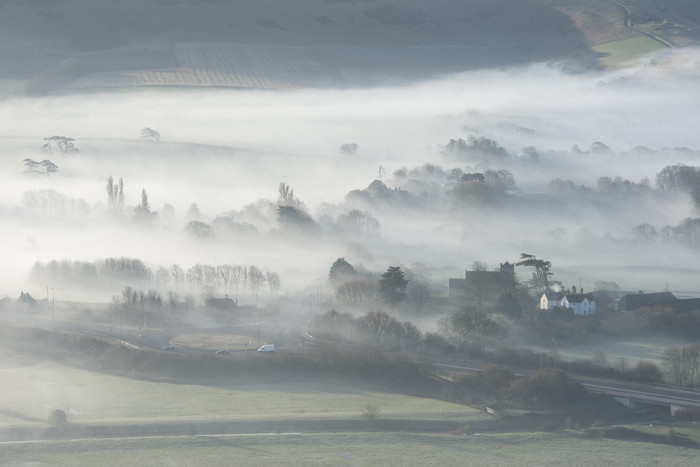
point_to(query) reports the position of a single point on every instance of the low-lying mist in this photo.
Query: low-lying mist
(228, 151)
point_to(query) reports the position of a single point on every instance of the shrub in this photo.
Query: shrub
(492, 380)
(546, 387)
(645, 371)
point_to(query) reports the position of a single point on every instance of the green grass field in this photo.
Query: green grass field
(114, 420)
(619, 53)
(33, 389)
(353, 449)
(133, 422)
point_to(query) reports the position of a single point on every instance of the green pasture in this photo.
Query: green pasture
(31, 390)
(619, 53)
(571, 448)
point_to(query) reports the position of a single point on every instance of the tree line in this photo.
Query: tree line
(205, 278)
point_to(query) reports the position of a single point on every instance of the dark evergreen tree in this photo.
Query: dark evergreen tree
(392, 286)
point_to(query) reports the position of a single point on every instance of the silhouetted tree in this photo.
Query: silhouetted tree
(178, 275)
(115, 193)
(363, 291)
(143, 209)
(380, 328)
(348, 148)
(193, 213)
(341, 271)
(149, 133)
(31, 165)
(286, 198)
(370, 412)
(60, 143)
(501, 181)
(162, 277)
(540, 271)
(199, 229)
(392, 286)
(256, 279)
(273, 281)
(359, 223)
(49, 166)
(238, 277)
(225, 271)
(467, 325)
(678, 177)
(295, 220)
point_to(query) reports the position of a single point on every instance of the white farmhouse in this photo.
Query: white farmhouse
(582, 304)
(550, 300)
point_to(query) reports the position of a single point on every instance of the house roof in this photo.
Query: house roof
(552, 295)
(578, 297)
(686, 305)
(636, 301)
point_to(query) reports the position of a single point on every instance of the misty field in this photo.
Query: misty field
(355, 449)
(32, 389)
(649, 349)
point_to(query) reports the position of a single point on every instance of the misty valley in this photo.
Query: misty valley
(349, 233)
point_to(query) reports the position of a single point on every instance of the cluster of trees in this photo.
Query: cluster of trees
(363, 288)
(376, 329)
(49, 202)
(599, 365)
(33, 166)
(115, 194)
(60, 144)
(84, 272)
(623, 186)
(547, 387)
(475, 148)
(429, 186)
(469, 327)
(204, 278)
(686, 232)
(679, 177)
(211, 279)
(136, 306)
(683, 363)
(465, 330)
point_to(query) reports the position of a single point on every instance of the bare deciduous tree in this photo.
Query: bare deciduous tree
(273, 281)
(256, 278)
(370, 412)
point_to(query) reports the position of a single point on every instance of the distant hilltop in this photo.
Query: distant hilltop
(136, 42)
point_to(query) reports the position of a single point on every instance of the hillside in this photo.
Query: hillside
(363, 41)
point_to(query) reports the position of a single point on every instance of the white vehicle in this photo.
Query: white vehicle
(267, 348)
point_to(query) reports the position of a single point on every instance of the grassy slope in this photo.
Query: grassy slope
(562, 448)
